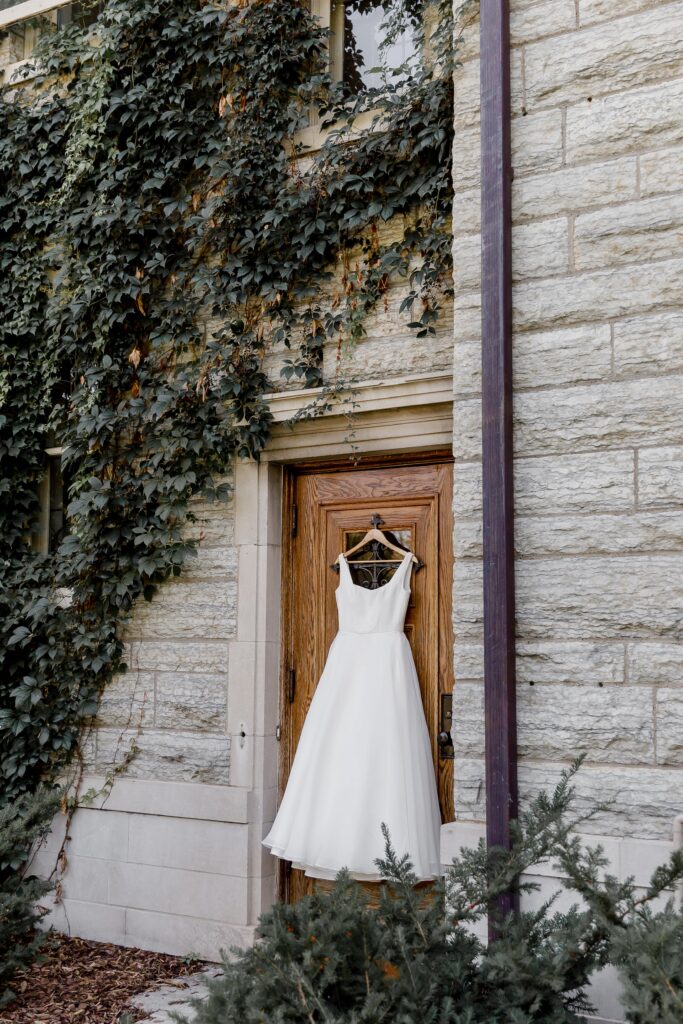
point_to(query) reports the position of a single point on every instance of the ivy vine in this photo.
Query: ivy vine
(160, 235)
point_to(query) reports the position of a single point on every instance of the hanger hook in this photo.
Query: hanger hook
(376, 520)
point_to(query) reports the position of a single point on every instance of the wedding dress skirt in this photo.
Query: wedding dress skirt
(364, 755)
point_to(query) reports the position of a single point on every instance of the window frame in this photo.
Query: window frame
(29, 9)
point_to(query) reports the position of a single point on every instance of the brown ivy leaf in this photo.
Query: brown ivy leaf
(135, 390)
(139, 273)
(134, 357)
(140, 304)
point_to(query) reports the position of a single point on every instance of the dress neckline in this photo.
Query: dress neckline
(386, 586)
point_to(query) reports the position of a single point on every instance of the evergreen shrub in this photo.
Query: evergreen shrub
(23, 825)
(331, 958)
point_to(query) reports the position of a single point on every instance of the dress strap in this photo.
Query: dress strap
(404, 566)
(344, 571)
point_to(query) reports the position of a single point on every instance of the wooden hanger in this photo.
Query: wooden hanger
(374, 533)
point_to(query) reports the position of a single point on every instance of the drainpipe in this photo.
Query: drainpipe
(678, 845)
(497, 450)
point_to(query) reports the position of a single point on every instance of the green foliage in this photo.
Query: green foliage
(21, 826)
(158, 239)
(649, 956)
(330, 958)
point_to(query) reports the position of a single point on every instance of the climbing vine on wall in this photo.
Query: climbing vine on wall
(159, 237)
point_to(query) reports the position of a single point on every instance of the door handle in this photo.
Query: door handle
(444, 740)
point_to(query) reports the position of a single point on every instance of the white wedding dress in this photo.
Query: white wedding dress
(364, 755)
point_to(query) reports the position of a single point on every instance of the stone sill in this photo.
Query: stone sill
(199, 801)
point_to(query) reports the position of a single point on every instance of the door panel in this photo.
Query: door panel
(333, 509)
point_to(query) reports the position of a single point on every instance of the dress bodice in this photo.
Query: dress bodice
(373, 611)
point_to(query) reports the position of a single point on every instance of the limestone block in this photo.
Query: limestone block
(103, 836)
(467, 264)
(466, 112)
(213, 846)
(467, 316)
(661, 171)
(176, 891)
(567, 662)
(466, 213)
(396, 346)
(467, 368)
(649, 344)
(180, 656)
(187, 610)
(187, 701)
(173, 756)
(570, 189)
(87, 879)
(612, 415)
(556, 484)
(467, 429)
(211, 563)
(599, 295)
(540, 249)
(468, 541)
(547, 358)
(621, 54)
(670, 726)
(530, 21)
(214, 521)
(536, 147)
(470, 789)
(595, 535)
(178, 935)
(468, 661)
(625, 122)
(634, 802)
(127, 700)
(558, 722)
(468, 610)
(591, 11)
(537, 142)
(609, 597)
(656, 664)
(645, 230)
(660, 477)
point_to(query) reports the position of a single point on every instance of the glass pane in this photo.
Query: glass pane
(374, 565)
(366, 49)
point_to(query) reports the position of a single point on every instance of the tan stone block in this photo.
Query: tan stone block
(540, 249)
(181, 935)
(537, 142)
(649, 344)
(570, 662)
(660, 477)
(661, 171)
(612, 415)
(622, 54)
(601, 597)
(592, 11)
(466, 111)
(598, 535)
(646, 230)
(211, 563)
(467, 316)
(573, 188)
(629, 801)
(466, 213)
(598, 296)
(625, 122)
(127, 700)
(166, 756)
(467, 430)
(531, 20)
(670, 726)
(468, 613)
(656, 664)
(558, 722)
(179, 656)
(191, 701)
(547, 358)
(215, 847)
(187, 610)
(175, 891)
(556, 484)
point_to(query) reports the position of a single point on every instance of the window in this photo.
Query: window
(53, 496)
(367, 54)
(28, 21)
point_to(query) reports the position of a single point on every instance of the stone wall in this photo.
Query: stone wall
(598, 350)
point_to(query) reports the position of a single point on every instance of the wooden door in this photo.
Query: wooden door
(326, 512)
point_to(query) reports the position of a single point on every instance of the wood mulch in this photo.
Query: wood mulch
(82, 982)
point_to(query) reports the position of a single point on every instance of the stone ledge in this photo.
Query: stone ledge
(199, 801)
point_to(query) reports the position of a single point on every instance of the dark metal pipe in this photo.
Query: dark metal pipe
(497, 452)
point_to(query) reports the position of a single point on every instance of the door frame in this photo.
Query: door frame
(290, 474)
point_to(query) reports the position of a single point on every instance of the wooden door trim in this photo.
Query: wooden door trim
(291, 473)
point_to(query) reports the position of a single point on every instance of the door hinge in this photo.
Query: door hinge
(295, 519)
(291, 687)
